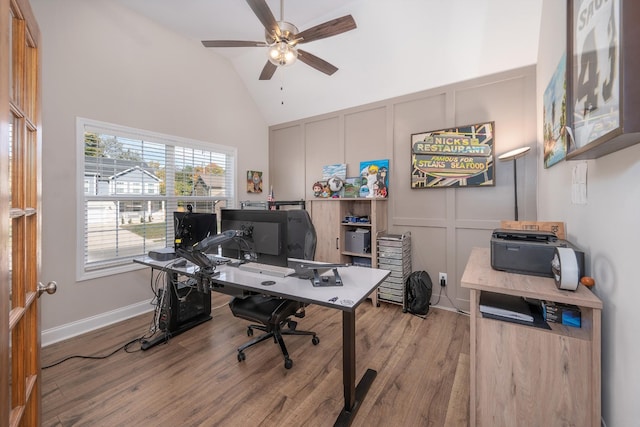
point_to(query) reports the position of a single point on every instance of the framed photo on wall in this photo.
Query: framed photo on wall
(595, 80)
(254, 182)
(603, 96)
(456, 157)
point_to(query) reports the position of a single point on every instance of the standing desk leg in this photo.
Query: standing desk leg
(353, 396)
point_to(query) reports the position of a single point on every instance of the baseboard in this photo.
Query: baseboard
(79, 327)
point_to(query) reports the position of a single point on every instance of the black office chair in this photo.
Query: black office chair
(271, 314)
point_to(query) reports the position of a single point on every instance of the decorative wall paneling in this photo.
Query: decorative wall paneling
(445, 223)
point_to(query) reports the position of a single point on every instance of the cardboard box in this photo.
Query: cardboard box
(565, 314)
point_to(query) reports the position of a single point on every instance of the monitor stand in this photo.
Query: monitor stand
(318, 280)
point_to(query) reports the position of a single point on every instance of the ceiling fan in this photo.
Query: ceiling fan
(283, 39)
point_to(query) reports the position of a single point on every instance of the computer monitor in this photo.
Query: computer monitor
(262, 235)
(192, 227)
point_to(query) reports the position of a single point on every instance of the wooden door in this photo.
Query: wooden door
(20, 188)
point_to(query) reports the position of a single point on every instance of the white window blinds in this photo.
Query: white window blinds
(131, 182)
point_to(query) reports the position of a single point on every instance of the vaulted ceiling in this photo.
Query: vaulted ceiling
(398, 47)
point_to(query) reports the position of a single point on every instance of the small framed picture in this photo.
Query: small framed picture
(254, 182)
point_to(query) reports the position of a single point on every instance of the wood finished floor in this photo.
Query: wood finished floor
(196, 380)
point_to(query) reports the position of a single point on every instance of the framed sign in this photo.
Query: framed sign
(603, 100)
(596, 61)
(457, 157)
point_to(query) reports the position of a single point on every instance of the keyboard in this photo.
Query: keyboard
(267, 269)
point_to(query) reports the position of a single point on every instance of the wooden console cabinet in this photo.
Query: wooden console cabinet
(527, 376)
(328, 219)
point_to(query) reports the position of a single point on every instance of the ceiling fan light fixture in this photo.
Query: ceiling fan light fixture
(282, 39)
(282, 54)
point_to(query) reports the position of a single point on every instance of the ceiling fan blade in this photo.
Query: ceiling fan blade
(315, 62)
(231, 43)
(328, 29)
(268, 70)
(264, 14)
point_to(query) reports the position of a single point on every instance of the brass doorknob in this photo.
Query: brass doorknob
(50, 288)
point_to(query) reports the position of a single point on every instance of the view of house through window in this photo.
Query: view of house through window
(133, 181)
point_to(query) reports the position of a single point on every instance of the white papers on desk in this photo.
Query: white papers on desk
(509, 306)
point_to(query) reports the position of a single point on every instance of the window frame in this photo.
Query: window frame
(125, 264)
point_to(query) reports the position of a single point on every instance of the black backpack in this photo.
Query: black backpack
(418, 289)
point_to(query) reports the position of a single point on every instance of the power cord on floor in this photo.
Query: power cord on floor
(124, 347)
(160, 293)
(446, 294)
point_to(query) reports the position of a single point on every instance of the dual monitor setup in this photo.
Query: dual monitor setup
(262, 237)
(246, 236)
(259, 236)
(265, 237)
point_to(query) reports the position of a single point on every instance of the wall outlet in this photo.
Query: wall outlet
(442, 278)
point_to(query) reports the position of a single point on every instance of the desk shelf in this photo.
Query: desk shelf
(357, 224)
(357, 254)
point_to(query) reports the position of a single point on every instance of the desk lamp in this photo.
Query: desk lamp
(514, 155)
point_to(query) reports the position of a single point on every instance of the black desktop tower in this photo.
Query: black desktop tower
(183, 307)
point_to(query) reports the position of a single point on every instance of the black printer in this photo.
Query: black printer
(528, 251)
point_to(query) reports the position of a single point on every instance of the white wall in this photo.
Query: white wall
(102, 62)
(607, 228)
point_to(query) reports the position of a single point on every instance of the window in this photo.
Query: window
(130, 183)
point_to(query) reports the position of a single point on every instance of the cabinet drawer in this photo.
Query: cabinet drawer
(395, 277)
(398, 287)
(390, 297)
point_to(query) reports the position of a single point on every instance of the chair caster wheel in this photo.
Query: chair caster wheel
(241, 356)
(315, 340)
(249, 332)
(288, 363)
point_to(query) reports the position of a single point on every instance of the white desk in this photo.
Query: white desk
(358, 283)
